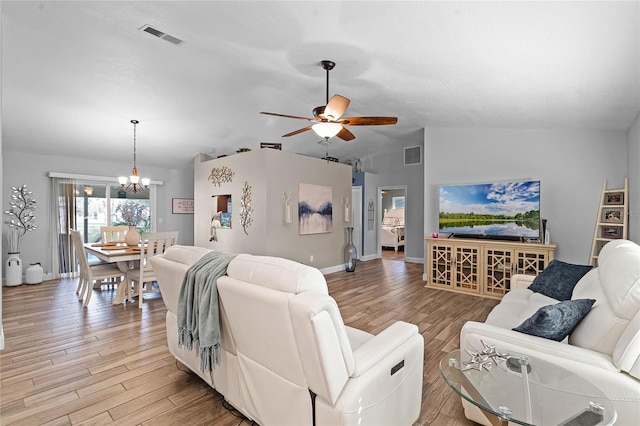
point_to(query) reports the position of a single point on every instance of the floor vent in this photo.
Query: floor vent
(412, 155)
(171, 39)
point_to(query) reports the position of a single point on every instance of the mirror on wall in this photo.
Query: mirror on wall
(221, 211)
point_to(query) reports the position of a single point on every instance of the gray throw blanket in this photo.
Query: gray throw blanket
(198, 316)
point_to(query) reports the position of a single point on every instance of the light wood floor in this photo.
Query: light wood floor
(110, 364)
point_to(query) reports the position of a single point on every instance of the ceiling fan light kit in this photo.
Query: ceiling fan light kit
(134, 183)
(327, 130)
(328, 117)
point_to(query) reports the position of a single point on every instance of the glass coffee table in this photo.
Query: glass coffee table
(511, 388)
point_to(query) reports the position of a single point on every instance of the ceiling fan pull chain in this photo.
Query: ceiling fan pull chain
(326, 139)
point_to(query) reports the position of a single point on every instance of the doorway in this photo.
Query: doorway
(392, 202)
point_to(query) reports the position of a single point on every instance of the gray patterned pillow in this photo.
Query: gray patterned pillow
(557, 321)
(558, 279)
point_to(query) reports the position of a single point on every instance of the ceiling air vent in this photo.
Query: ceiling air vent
(171, 39)
(412, 155)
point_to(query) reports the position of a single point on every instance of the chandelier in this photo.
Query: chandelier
(134, 183)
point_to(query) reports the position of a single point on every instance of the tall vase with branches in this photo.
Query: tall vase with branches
(21, 217)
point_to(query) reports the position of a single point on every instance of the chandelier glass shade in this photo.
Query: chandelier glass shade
(134, 183)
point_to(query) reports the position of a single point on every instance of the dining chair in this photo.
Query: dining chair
(90, 273)
(152, 244)
(111, 234)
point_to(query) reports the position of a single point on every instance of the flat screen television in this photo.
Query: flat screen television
(505, 210)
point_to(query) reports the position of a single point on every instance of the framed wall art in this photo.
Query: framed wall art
(614, 198)
(315, 209)
(182, 206)
(271, 145)
(612, 215)
(613, 232)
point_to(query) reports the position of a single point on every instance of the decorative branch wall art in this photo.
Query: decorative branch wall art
(220, 175)
(245, 208)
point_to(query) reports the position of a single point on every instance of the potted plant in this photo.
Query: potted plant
(21, 220)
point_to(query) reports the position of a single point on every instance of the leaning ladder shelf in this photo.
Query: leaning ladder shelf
(612, 220)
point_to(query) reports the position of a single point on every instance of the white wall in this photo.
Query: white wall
(633, 167)
(270, 173)
(32, 169)
(571, 166)
(389, 167)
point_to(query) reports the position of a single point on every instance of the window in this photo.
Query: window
(99, 205)
(397, 202)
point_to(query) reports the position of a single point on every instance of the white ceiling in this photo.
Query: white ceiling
(75, 73)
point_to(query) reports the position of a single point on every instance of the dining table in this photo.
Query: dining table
(119, 253)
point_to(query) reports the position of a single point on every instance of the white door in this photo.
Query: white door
(356, 217)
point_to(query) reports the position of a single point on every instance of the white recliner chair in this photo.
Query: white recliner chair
(288, 358)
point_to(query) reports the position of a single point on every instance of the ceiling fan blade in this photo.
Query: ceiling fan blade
(346, 135)
(287, 116)
(368, 121)
(304, 129)
(336, 107)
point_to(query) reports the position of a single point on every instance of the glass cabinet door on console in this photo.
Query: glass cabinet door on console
(530, 262)
(440, 258)
(454, 266)
(499, 267)
(466, 268)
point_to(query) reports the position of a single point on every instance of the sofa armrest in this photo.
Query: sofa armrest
(381, 345)
(507, 340)
(521, 281)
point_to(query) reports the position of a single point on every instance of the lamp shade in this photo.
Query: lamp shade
(327, 130)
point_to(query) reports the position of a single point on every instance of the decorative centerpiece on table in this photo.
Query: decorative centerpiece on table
(132, 214)
(21, 220)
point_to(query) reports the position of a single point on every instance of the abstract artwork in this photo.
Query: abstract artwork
(315, 209)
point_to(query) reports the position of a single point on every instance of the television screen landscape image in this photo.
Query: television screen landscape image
(501, 210)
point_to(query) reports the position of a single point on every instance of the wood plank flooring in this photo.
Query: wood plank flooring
(110, 364)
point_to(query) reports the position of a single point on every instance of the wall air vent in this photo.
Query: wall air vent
(412, 155)
(171, 39)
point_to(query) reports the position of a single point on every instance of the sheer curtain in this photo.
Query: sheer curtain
(63, 218)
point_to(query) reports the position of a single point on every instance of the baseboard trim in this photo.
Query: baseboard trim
(414, 259)
(332, 269)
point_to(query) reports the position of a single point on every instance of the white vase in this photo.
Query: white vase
(13, 270)
(132, 238)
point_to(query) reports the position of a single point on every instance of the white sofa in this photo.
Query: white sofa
(287, 357)
(393, 229)
(604, 348)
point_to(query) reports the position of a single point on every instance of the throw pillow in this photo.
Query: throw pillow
(558, 279)
(557, 321)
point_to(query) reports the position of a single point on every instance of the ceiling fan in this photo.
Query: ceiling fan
(328, 118)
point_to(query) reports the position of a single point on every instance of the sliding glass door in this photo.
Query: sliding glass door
(88, 205)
